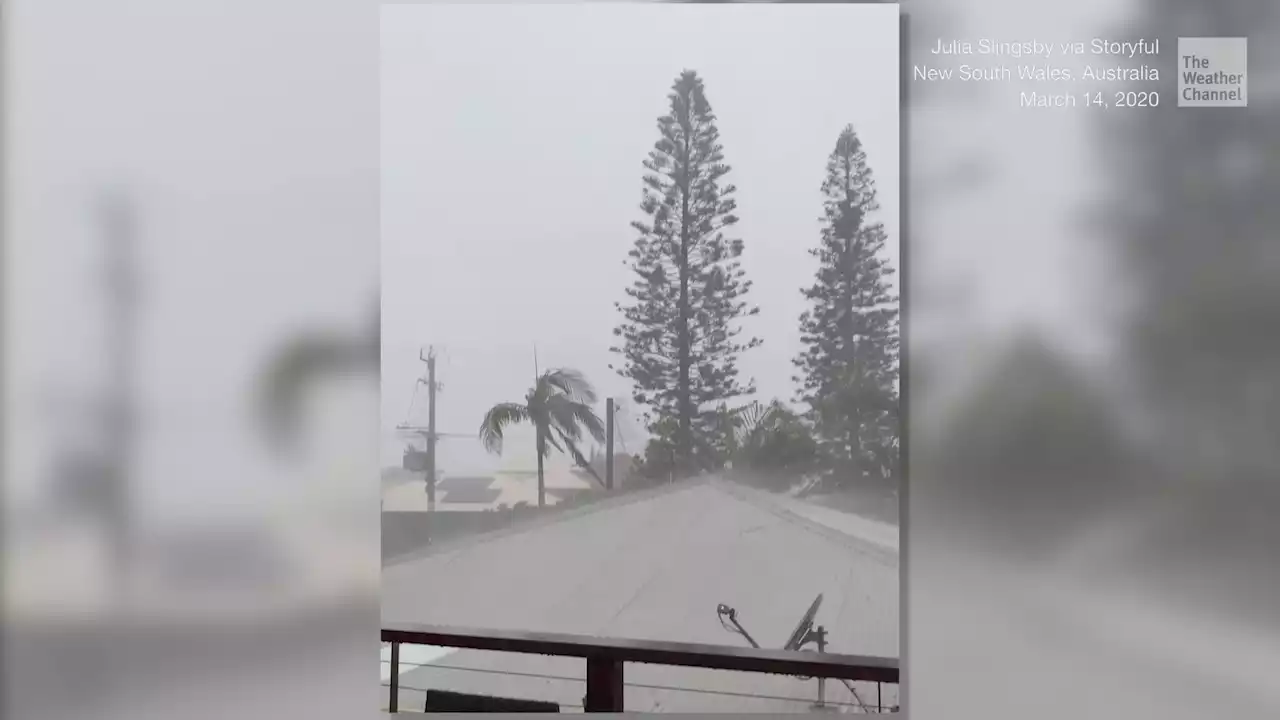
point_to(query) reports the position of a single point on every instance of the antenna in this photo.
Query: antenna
(800, 636)
(724, 612)
(804, 634)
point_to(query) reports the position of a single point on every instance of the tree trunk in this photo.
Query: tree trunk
(855, 457)
(685, 441)
(539, 447)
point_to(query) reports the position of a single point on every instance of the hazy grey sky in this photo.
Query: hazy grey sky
(253, 174)
(254, 178)
(512, 141)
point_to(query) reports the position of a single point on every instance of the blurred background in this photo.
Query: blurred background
(191, 343)
(191, 254)
(1093, 415)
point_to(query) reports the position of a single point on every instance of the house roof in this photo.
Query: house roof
(651, 565)
(477, 493)
(508, 479)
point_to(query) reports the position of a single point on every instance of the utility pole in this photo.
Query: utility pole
(430, 360)
(429, 433)
(608, 443)
(119, 230)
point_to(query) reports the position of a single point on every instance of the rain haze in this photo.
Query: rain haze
(513, 149)
(246, 136)
(512, 141)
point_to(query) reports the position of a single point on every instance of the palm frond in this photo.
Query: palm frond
(580, 459)
(591, 422)
(571, 383)
(560, 416)
(496, 420)
(303, 361)
(572, 418)
(754, 419)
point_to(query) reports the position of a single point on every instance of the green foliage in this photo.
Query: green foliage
(680, 330)
(659, 460)
(772, 445)
(848, 369)
(766, 445)
(658, 463)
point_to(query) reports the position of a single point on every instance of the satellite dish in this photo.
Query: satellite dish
(798, 635)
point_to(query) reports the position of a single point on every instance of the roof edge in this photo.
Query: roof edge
(751, 496)
(763, 501)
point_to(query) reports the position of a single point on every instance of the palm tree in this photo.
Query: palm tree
(559, 408)
(305, 359)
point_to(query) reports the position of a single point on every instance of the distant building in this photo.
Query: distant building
(513, 482)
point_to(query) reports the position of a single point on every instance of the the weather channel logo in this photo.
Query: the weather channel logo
(1212, 72)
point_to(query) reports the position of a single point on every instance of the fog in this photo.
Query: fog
(246, 137)
(506, 213)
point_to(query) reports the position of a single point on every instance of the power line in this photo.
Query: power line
(413, 398)
(645, 686)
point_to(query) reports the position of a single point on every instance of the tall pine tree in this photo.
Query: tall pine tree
(848, 369)
(681, 331)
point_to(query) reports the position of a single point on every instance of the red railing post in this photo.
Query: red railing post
(395, 677)
(604, 685)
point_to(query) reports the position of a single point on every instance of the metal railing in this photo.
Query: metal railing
(605, 658)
